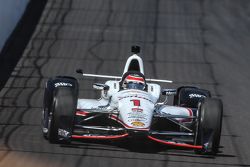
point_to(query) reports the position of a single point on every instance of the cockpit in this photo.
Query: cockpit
(133, 80)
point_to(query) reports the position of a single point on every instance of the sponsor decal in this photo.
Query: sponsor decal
(137, 110)
(62, 84)
(196, 95)
(136, 115)
(136, 102)
(136, 119)
(138, 124)
(123, 97)
(63, 133)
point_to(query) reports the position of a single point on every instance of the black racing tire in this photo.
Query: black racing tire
(47, 105)
(52, 87)
(61, 120)
(189, 96)
(209, 123)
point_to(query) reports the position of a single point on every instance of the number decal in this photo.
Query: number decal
(136, 102)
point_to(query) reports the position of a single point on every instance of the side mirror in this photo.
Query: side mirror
(100, 86)
(168, 92)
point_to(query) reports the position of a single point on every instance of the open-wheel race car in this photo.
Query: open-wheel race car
(129, 107)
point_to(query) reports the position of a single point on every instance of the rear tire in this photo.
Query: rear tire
(208, 129)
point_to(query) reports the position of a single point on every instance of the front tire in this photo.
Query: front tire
(208, 130)
(61, 120)
(188, 96)
(60, 100)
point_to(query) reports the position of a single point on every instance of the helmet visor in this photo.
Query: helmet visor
(132, 85)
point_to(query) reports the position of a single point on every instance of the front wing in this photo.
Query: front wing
(103, 124)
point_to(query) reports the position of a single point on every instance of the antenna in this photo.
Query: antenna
(135, 49)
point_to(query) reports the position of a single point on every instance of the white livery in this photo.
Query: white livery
(123, 101)
(129, 107)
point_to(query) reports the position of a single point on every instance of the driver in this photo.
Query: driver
(134, 81)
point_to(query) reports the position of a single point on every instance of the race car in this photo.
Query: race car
(129, 107)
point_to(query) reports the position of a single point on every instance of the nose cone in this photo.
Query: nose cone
(136, 112)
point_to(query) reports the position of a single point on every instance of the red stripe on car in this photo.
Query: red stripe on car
(82, 113)
(135, 78)
(99, 137)
(190, 146)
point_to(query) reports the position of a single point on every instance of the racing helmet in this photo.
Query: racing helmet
(134, 81)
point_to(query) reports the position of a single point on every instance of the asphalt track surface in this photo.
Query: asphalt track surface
(203, 43)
